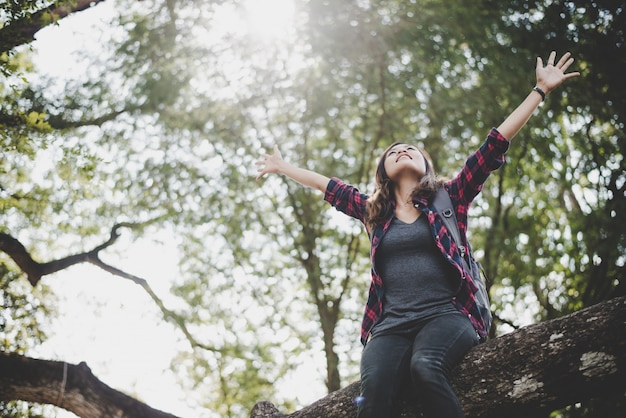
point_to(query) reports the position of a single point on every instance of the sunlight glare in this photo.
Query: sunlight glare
(270, 19)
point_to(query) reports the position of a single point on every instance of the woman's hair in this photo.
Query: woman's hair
(379, 204)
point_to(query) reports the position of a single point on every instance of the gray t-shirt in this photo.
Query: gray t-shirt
(419, 282)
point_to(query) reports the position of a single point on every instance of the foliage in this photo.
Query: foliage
(23, 319)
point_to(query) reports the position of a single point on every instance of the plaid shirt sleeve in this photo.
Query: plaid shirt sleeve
(346, 198)
(469, 182)
(488, 158)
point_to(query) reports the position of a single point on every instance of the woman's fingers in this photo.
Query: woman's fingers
(564, 60)
(551, 58)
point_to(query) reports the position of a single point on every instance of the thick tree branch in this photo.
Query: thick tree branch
(22, 31)
(68, 386)
(525, 373)
(58, 122)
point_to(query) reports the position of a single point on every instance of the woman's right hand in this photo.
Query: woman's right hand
(274, 163)
(270, 163)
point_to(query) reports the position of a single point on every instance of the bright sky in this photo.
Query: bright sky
(111, 323)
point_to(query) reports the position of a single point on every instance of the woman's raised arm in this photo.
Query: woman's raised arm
(548, 78)
(274, 163)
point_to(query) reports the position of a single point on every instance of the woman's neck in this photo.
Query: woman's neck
(403, 191)
(405, 210)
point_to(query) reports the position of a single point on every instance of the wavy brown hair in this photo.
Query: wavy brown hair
(379, 204)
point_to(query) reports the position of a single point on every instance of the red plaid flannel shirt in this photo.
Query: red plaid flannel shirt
(462, 189)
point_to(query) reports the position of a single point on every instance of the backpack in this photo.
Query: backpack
(443, 206)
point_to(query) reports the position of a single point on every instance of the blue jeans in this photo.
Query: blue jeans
(420, 358)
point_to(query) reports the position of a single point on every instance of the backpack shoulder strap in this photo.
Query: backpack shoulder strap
(443, 206)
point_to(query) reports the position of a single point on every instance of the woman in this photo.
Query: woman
(421, 317)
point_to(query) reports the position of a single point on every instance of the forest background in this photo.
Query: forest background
(146, 147)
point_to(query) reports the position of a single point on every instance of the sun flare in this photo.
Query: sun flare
(269, 19)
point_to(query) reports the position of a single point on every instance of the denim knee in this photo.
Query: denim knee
(426, 370)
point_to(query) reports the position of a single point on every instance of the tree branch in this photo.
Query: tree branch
(35, 271)
(22, 31)
(68, 386)
(535, 369)
(57, 122)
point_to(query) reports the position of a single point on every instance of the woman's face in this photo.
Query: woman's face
(404, 160)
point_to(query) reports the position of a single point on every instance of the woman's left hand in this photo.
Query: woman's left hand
(552, 75)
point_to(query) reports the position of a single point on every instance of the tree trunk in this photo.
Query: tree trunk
(538, 368)
(68, 386)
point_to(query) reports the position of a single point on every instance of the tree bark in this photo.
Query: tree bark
(542, 367)
(68, 386)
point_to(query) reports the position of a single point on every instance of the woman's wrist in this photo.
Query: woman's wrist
(541, 92)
